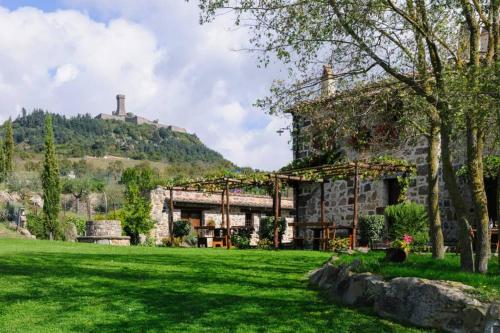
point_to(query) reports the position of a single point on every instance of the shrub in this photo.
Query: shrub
(78, 222)
(266, 228)
(176, 242)
(408, 218)
(36, 226)
(149, 242)
(241, 238)
(265, 244)
(371, 228)
(182, 228)
(339, 244)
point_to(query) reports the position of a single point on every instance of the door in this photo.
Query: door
(193, 216)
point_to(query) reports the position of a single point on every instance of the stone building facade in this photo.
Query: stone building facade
(204, 208)
(374, 195)
(121, 115)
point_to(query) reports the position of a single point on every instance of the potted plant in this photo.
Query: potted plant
(400, 248)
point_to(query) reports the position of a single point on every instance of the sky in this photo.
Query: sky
(75, 56)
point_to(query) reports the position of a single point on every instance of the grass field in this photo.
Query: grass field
(64, 287)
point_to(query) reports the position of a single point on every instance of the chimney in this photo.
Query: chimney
(327, 82)
(120, 105)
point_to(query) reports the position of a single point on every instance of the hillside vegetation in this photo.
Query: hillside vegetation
(83, 135)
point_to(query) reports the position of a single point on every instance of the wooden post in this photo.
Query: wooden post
(296, 194)
(322, 214)
(228, 217)
(356, 203)
(276, 212)
(170, 215)
(222, 208)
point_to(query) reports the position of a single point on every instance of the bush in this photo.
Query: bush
(176, 242)
(78, 222)
(408, 218)
(266, 228)
(36, 226)
(371, 228)
(339, 244)
(265, 244)
(182, 228)
(241, 238)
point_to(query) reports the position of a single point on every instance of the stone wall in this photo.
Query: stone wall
(107, 232)
(103, 228)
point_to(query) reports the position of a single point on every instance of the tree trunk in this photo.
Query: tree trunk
(465, 231)
(475, 143)
(436, 233)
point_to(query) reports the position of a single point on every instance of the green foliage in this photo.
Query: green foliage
(265, 244)
(136, 211)
(339, 244)
(136, 218)
(78, 222)
(2, 163)
(181, 228)
(241, 238)
(36, 225)
(266, 228)
(83, 135)
(491, 167)
(82, 187)
(408, 218)
(371, 228)
(8, 146)
(175, 242)
(50, 182)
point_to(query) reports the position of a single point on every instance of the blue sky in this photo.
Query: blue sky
(74, 56)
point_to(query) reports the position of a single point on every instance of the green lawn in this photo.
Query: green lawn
(422, 265)
(54, 286)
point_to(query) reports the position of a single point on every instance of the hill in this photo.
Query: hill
(83, 135)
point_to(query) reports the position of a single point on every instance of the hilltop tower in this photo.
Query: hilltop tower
(120, 106)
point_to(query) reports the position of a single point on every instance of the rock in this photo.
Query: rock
(438, 304)
(36, 200)
(363, 249)
(142, 238)
(447, 306)
(362, 289)
(70, 233)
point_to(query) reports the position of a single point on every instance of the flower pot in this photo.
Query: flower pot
(396, 254)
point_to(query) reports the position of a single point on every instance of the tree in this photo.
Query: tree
(81, 188)
(432, 47)
(9, 146)
(137, 220)
(2, 163)
(50, 182)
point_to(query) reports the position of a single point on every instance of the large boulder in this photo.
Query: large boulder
(446, 305)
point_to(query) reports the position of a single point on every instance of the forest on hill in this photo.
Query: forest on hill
(84, 135)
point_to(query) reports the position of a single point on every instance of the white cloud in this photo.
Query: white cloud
(156, 53)
(65, 73)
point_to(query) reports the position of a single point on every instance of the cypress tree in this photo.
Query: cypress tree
(2, 163)
(50, 182)
(9, 146)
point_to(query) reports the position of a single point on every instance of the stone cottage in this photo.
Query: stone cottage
(375, 195)
(203, 209)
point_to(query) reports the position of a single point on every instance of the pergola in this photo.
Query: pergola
(275, 180)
